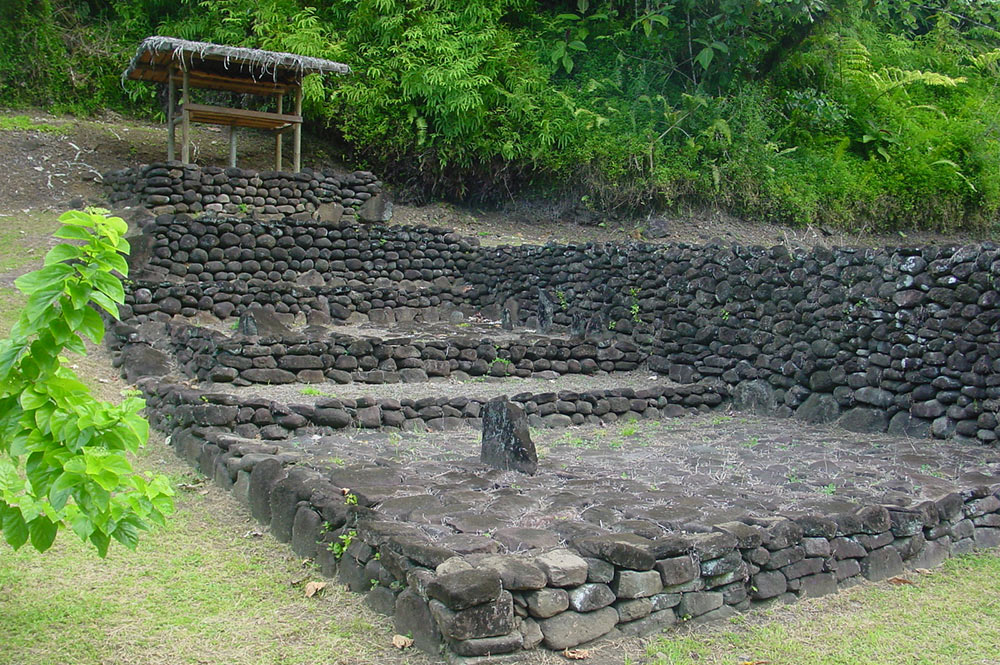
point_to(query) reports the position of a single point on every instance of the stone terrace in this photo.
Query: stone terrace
(333, 376)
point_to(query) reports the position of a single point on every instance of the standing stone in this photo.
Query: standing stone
(546, 310)
(376, 209)
(507, 445)
(511, 314)
(259, 321)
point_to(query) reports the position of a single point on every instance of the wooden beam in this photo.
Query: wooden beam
(186, 122)
(297, 150)
(234, 84)
(277, 138)
(232, 145)
(171, 102)
(223, 115)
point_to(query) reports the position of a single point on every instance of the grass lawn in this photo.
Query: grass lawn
(209, 588)
(950, 615)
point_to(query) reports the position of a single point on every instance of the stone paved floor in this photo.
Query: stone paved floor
(647, 477)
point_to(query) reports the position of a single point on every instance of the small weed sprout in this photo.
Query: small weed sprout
(339, 546)
(351, 499)
(561, 297)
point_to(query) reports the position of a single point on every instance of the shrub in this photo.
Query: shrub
(63, 454)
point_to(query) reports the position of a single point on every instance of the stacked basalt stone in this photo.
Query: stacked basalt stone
(173, 187)
(267, 419)
(903, 339)
(460, 591)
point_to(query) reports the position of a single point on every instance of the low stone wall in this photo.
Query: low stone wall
(174, 187)
(253, 416)
(903, 339)
(211, 355)
(462, 592)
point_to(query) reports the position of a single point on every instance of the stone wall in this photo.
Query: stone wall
(252, 417)
(461, 592)
(901, 339)
(174, 187)
(212, 355)
(904, 339)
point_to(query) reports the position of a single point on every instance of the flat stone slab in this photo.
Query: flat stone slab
(681, 474)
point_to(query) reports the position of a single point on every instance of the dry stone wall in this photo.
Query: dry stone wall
(902, 339)
(463, 592)
(174, 187)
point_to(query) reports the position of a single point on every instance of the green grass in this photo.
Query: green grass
(25, 238)
(208, 588)
(951, 615)
(22, 123)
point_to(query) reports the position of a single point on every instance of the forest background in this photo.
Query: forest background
(875, 114)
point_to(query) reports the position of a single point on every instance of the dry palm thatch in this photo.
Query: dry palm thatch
(156, 54)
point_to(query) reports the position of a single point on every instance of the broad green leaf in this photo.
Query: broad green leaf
(62, 489)
(43, 532)
(105, 303)
(110, 286)
(10, 480)
(73, 233)
(101, 542)
(704, 57)
(118, 224)
(31, 400)
(39, 279)
(81, 525)
(77, 218)
(63, 252)
(127, 532)
(91, 325)
(15, 530)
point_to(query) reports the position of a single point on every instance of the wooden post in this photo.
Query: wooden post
(297, 131)
(232, 145)
(185, 121)
(171, 101)
(277, 137)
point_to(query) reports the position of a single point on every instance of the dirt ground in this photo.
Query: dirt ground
(59, 169)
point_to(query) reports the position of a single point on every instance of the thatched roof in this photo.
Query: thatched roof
(225, 67)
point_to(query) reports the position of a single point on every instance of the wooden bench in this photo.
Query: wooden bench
(220, 115)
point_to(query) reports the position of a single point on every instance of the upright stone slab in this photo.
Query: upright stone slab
(257, 321)
(507, 445)
(546, 310)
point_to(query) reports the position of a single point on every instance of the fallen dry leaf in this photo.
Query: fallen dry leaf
(900, 580)
(402, 641)
(313, 588)
(754, 662)
(923, 571)
(576, 654)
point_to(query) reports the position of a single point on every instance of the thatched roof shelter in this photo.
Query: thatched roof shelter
(234, 69)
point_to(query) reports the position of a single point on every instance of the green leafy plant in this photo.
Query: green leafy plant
(63, 454)
(339, 546)
(633, 293)
(351, 499)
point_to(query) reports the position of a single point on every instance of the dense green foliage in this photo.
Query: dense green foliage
(63, 454)
(878, 113)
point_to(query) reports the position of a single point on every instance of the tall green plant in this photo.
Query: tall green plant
(63, 454)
